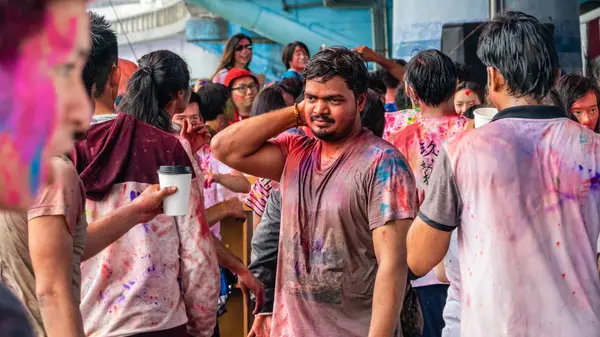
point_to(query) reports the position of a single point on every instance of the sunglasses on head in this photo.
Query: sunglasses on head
(239, 47)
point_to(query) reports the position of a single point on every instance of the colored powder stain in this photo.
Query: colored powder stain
(558, 225)
(557, 243)
(383, 207)
(35, 171)
(594, 182)
(580, 168)
(132, 195)
(468, 92)
(121, 298)
(154, 227)
(126, 286)
(154, 323)
(563, 275)
(131, 283)
(573, 293)
(124, 187)
(146, 228)
(202, 308)
(297, 268)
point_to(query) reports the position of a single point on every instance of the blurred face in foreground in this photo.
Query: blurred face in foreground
(46, 105)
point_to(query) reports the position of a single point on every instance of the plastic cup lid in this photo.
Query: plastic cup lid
(174, 170)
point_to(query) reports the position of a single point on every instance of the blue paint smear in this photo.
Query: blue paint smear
(35, 171)
(146, 228)
(383, 207)
(132, 195)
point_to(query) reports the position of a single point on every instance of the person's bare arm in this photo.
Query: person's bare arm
(389, 242)
(229, 208)
(108, 229)
(370, 55)
(246, 279)
(51, 250)
(426, 245)
(245, 145)
(235, 181)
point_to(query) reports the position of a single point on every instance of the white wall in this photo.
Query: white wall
(202, 63)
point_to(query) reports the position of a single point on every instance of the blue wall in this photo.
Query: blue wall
(273, 27)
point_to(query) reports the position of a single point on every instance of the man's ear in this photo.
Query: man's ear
(361, 101)
(496, 81)
(115, 76)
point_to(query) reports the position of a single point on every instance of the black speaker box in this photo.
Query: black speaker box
(459, 42)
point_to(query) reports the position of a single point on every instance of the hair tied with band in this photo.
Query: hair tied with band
(147, 70)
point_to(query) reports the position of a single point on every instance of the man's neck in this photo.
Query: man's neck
(334, 149)
(102, 108)
(511, 102)
(444, 109)
(390, 96)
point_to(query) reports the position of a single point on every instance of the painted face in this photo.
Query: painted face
(243, 52)
(191, 114)
(45, 102)
(464, 99)
(243, 92)
(299, 59)
(331, 109)
(586, 110)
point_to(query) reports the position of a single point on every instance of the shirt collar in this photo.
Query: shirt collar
(531, 112)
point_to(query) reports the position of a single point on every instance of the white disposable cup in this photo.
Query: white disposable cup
(180, 176)
(484, 116)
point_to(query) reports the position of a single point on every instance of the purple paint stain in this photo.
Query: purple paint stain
(580, 168)
(146, 228)
(318, 245)
(297, 268)
(595, 182)
(121, 298)
(126, 286)
(132, 195)
(131, 283)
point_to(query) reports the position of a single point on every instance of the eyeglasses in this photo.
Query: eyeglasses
(239, 47)
(244, 87)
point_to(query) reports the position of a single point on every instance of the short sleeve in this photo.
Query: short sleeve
(392, 189)
(287, 141)
(442, 206)
(62, 197)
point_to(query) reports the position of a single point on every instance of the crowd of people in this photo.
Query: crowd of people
(379, 209)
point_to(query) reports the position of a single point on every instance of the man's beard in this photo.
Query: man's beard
(329, 136)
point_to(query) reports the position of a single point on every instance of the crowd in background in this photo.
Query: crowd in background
(379, 209)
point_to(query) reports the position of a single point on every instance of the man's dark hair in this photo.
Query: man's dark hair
(162, 74)
(373, 114)
(213, 99)
(338, 61)
(267, 100)
(292, 85)
(194, 98)
(432, 75)
(523, 51)
(104, 54)
(462, 72)
(376, 83)
(474, 87)
(389, 80)
(401, 100)
(288, 52)
(573, 87)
